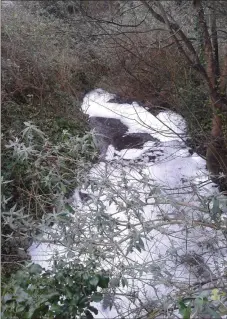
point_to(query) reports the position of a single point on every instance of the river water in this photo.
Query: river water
(153, 197)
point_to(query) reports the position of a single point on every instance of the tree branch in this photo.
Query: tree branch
(112, 22)
(174, 27)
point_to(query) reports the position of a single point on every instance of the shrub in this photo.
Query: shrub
(38, 176)
(65, 292)
(43, 81)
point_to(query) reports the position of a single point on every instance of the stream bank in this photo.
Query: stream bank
(150, 196)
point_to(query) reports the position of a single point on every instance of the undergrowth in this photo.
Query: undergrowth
(43, 83)
(48, 64)
(38, 176)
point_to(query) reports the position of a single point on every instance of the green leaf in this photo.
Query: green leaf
(52, 296)
(124, 282)
(97, 297)
(213, 313)
(137, 246)
(82, 302)
(187, 313)
(85, 276)
(215, 295)
(94, 281)
(38, 311)
(115, 282)
(69, 208)
(215, 208)
(63, 188)
(184, 310)
(35, 269)
(20, 308)
(182, 307)
(141, 243)
(103, 281)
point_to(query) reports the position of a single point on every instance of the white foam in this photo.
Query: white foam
(165, 127)
(178, 181)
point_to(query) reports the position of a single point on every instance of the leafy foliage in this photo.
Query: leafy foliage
(211, 304)
(194, 106)
(42, 169)
(49, 61)
(37, 177)
(65, 292)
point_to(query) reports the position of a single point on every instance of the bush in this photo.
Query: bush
(193, 105)
(65, 292)
(43, 81)
(38, 176)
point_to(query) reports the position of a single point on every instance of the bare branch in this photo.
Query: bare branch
(111, 21)
(174, 27)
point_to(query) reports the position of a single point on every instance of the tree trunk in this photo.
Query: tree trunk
(216, 155)
(217, 150)
(214, 38)
(223, 77)
(216, 158)
(216, 131)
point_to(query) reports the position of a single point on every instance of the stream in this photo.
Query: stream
(155, 196)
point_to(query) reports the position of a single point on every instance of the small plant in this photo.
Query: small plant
(65, 292)
(41, 169)
(38, 176)
(211, 303)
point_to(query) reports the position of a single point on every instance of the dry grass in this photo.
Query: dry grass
(44, 74)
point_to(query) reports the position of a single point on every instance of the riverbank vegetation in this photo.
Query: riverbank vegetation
(166, 56)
